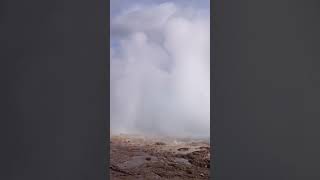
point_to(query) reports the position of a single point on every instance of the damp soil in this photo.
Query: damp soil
(150, 158)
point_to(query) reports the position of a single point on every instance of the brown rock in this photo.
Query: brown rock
(160, 143)
(183, 149)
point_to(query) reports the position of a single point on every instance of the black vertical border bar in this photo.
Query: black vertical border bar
(106, 16)
(266, 114)
(54, 74)
(212, 88)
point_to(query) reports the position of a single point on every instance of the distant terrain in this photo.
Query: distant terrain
(150, 158)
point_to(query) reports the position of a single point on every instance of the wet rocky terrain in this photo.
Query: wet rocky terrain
(150, 158)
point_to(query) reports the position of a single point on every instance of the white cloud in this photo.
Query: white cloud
(160, 72)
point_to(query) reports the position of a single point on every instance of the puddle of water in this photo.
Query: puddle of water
(136, 161)
(182, 161)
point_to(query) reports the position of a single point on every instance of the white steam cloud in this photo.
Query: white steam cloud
(160, 71)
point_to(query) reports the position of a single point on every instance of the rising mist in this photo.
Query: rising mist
(160, 71)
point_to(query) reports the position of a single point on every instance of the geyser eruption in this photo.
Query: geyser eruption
(160, 71)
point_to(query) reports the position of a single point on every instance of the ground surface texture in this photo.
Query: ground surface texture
(148, 158)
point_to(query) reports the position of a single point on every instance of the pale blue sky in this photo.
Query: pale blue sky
(118, 5)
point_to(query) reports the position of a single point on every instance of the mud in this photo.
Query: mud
(149, 158)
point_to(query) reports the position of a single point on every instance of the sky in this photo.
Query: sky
(160, 67)
(119, 5)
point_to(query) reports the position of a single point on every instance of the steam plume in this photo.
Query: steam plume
(160, 71)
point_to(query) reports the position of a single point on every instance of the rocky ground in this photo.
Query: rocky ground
(138, 157)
